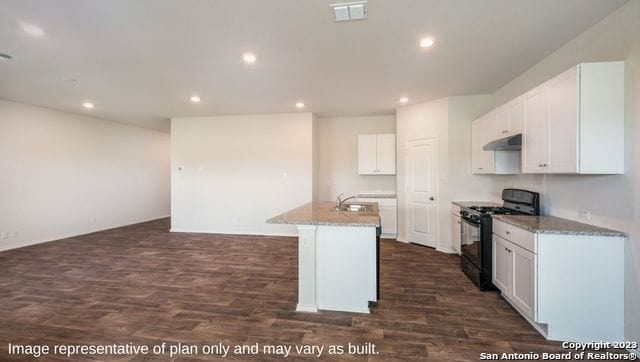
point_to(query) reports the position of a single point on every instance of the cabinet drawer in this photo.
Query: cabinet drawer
(516, 235)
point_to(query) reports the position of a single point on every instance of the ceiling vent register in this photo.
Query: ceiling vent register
(349, 11)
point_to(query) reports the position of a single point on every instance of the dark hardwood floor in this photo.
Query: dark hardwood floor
(141, 284)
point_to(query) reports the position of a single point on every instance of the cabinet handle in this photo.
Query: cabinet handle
(508, 232)
(480, 168)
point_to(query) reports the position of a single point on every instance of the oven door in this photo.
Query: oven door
(470, 242)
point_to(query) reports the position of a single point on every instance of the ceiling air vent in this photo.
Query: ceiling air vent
(349, 11)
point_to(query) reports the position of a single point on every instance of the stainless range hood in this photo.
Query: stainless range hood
(511, 143)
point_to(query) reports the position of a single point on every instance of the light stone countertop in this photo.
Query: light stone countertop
(376, 196)
(321, 213)
(475, 203)
(555, 225)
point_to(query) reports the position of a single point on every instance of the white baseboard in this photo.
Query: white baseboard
(446, 250)
(252, 233)
(23, 244)
(307, 308)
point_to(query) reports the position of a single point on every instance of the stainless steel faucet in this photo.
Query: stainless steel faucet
(340, 201)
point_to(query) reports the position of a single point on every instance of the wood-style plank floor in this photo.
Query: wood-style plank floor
(141, 284)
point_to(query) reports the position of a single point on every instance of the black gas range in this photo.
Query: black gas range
(476, 232)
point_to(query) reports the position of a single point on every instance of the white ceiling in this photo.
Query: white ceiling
(140, 61)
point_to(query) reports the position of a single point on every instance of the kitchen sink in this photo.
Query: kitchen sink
(356, 208)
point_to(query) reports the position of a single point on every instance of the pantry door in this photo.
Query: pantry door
(421, 185)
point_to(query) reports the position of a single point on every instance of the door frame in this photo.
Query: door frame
(406, 187)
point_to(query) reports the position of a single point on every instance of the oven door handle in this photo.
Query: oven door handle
(471, 223)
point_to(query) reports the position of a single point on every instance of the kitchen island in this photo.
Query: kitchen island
(337, 255)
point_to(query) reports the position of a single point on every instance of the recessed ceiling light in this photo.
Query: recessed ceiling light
(249, 58)
(299, 105)
(32, 29)
(404, 100)
(4, 56)
(87, 105)
(195, 99)
(426, 42)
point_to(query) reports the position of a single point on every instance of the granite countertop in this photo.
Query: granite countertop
(321, 213)
(365, 195)
(555, 225)
(475, 203)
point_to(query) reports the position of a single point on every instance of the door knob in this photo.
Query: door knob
(432, 198)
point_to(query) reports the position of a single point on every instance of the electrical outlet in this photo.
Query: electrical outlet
(14, 234)
(4, 235)
(584, 214)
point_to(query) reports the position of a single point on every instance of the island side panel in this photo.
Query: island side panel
(346, 268)
(307, 273)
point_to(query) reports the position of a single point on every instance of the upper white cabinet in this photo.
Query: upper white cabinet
(483, 131)
(574, 123)
(508, 119)
(377, 154)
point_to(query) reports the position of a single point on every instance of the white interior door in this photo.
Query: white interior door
(421, 192)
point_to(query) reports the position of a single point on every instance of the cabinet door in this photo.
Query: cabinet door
(501, 265)
(455, 233)
(477, 160)
(515, 114)
(386, 154)
(523, 293)
(389, 220)
(501, 123)
(367, 154)
(562, 95)
(488, 128)
(535, 143)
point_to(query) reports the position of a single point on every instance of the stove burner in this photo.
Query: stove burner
(491, 210)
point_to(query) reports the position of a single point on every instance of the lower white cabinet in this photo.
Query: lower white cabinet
(514, 272)
(570, 287)
(456, 226)
(388, 208)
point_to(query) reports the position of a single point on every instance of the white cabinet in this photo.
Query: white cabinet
(456, 229)
(377, 154)
(513, 272)
(574, 123)
(501, 267)
(542, 275)
(490, 162)
(508, 119)
(388, 208)
(482, 132)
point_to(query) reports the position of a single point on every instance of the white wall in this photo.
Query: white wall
(338, 156)
(614, 201)
(448, 120)
(65, 175)
(239, 171)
